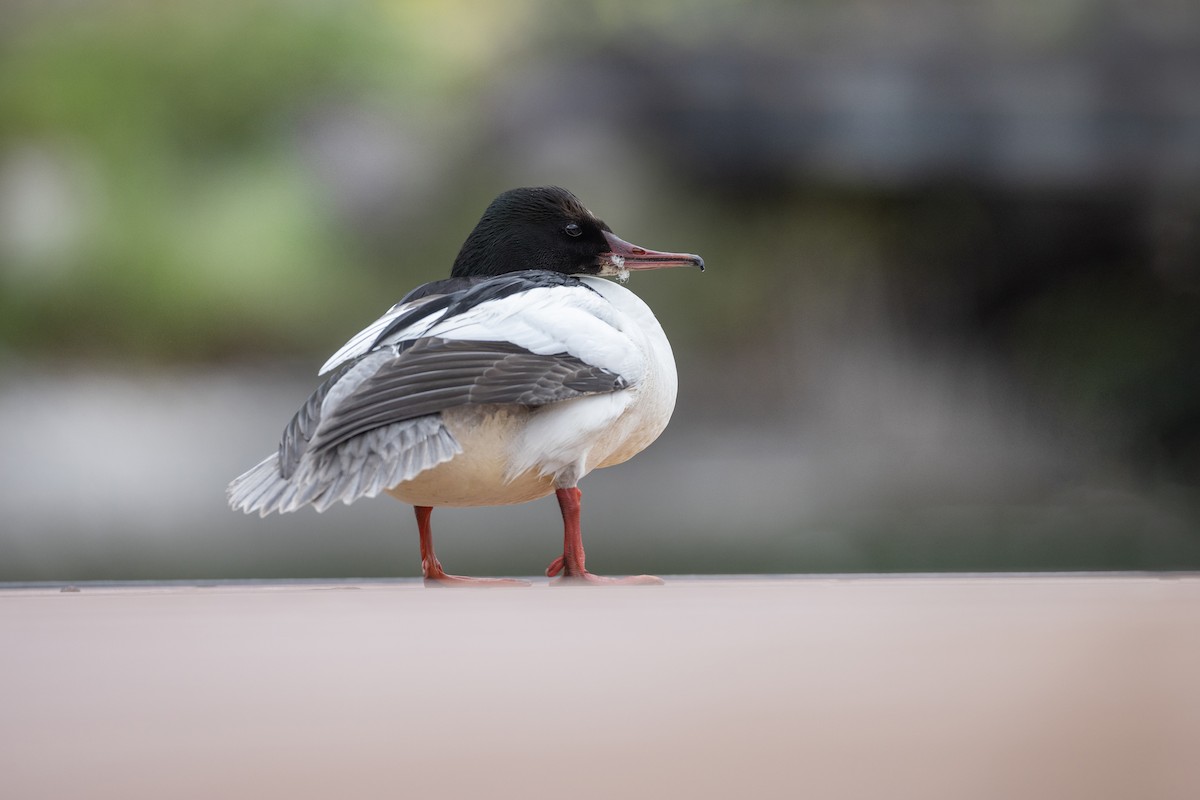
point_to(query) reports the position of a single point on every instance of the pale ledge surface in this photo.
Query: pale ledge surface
(948, 686)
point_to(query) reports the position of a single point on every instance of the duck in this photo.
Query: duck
(514, 378)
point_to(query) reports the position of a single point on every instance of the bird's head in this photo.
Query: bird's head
(548, 228)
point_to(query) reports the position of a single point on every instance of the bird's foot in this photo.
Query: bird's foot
(460, 581)
(588, 579)
(583, 578)
(436, 576)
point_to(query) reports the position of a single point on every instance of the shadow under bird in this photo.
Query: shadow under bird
(513, 378)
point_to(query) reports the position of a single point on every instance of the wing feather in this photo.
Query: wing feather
(434, 374)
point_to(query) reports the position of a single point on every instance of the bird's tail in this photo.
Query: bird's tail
(360, 467)
(260, 488)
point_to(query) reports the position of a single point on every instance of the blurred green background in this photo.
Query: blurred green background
(952, 320)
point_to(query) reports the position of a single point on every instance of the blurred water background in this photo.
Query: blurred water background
(951, 320)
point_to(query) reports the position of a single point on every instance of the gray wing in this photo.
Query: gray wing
(427, 376)
(362, 467)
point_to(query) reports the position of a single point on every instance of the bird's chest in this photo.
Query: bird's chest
(650, 407)
(652, 400)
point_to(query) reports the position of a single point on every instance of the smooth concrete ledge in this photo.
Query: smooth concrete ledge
(980, 686)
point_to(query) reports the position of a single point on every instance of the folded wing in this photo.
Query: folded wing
(426, 376)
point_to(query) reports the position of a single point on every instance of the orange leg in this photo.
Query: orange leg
(571, 562)
(431, 568)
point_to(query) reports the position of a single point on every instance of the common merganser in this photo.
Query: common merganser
(513, 378)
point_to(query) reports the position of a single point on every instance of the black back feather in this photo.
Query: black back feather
(459, 295)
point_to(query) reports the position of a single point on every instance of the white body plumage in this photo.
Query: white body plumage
(490, 454)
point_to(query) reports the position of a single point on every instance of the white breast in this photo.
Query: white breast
(572, 438)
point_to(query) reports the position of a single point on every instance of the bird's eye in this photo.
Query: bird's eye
(573, 229)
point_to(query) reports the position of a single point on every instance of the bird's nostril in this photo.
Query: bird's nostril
(637, 251)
